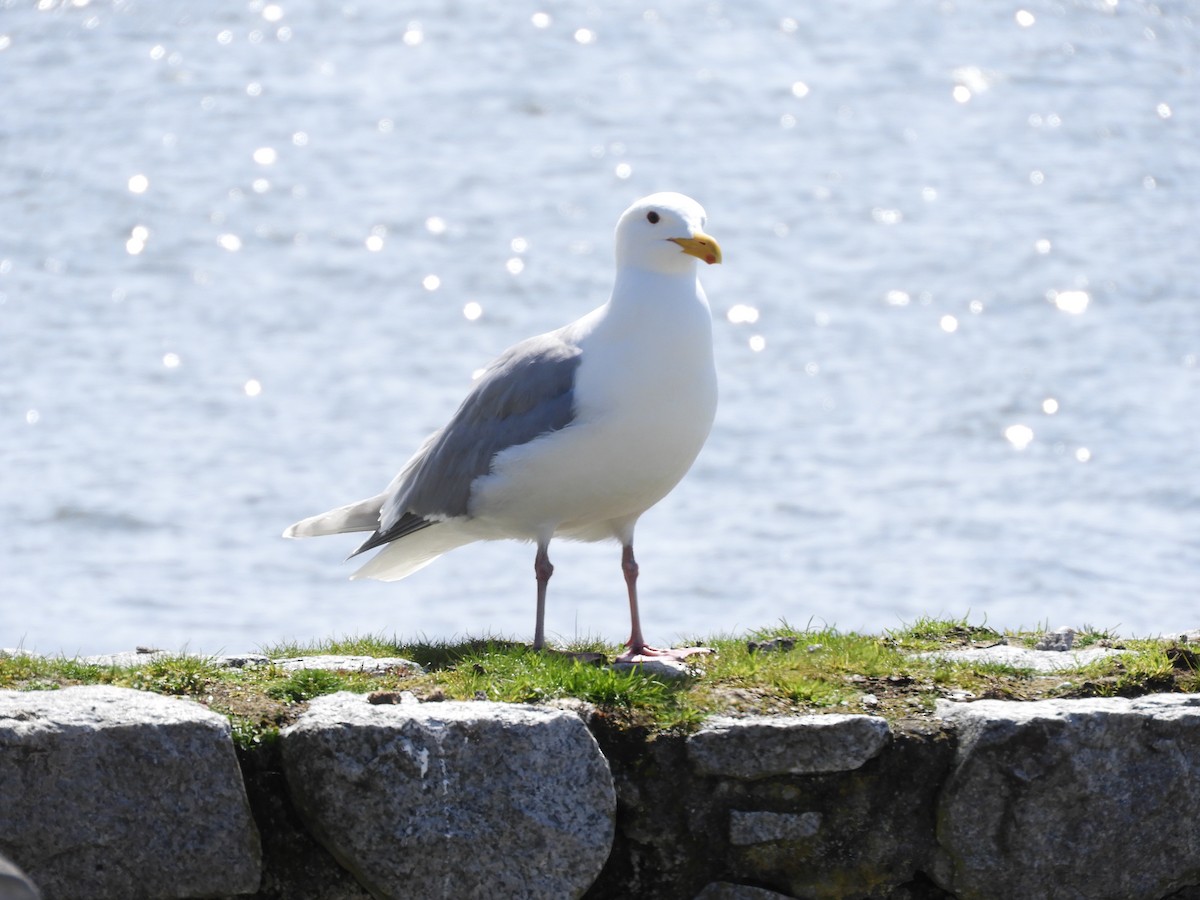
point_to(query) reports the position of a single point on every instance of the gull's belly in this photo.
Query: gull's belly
(622, 455)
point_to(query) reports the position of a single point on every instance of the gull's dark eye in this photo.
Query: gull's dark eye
(652, 217)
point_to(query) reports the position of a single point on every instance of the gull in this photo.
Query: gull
(570, 434)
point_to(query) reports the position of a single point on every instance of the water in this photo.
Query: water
(957, 327)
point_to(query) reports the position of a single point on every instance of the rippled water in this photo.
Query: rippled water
(250, 254)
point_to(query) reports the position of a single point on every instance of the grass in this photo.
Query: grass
(806, 670)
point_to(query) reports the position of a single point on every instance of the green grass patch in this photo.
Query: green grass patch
(306, 684)
(935, 634)
(779, 670)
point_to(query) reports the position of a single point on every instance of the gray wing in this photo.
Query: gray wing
(528, 392)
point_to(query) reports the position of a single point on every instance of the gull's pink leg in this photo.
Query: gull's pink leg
(638, 650)
(543, 570)
(636, 643)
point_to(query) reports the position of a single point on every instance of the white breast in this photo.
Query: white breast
(645, 395)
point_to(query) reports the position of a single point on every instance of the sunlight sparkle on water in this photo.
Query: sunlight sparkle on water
(137, 240)
(949, 324)
(32, 416)
(740, 314)
(757, 343)
(969, 81)
(1049, 406)
(138, 184)
(584, 36)
(171, 360)
(253, 387)
(265, 156)
(1025, 18)
(230, 242)
(374, 243)
(1073, 302)
(435, 225)
(431, 282)
(1020, 436)
(272, 12)
(540, 20)
(799, 89)
(1083, 454)
(515, 266)
(472, 311)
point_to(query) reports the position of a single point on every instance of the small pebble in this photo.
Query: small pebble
(1059, 640)
(391, 698)
(775, 645)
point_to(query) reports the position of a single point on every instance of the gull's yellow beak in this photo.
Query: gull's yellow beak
(701, 246)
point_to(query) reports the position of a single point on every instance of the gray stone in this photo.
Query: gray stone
(453, 799)
(876, 826)
(239, 660)
(774, 645)
(1060, 640)
(111, 792)
(1072, 798)
(753, 827)
(761, 746)
(1057, 660)
(128, 659)
(725, 890)
(14, 884)
(660, 666)
(373, 665)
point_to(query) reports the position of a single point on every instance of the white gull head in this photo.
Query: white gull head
(664, 233)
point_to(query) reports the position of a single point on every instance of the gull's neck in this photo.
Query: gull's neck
(640, 290)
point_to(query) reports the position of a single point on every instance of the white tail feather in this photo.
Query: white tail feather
(360, 516)
(401, 558)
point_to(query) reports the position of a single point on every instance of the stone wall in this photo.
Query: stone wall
(113, 793)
